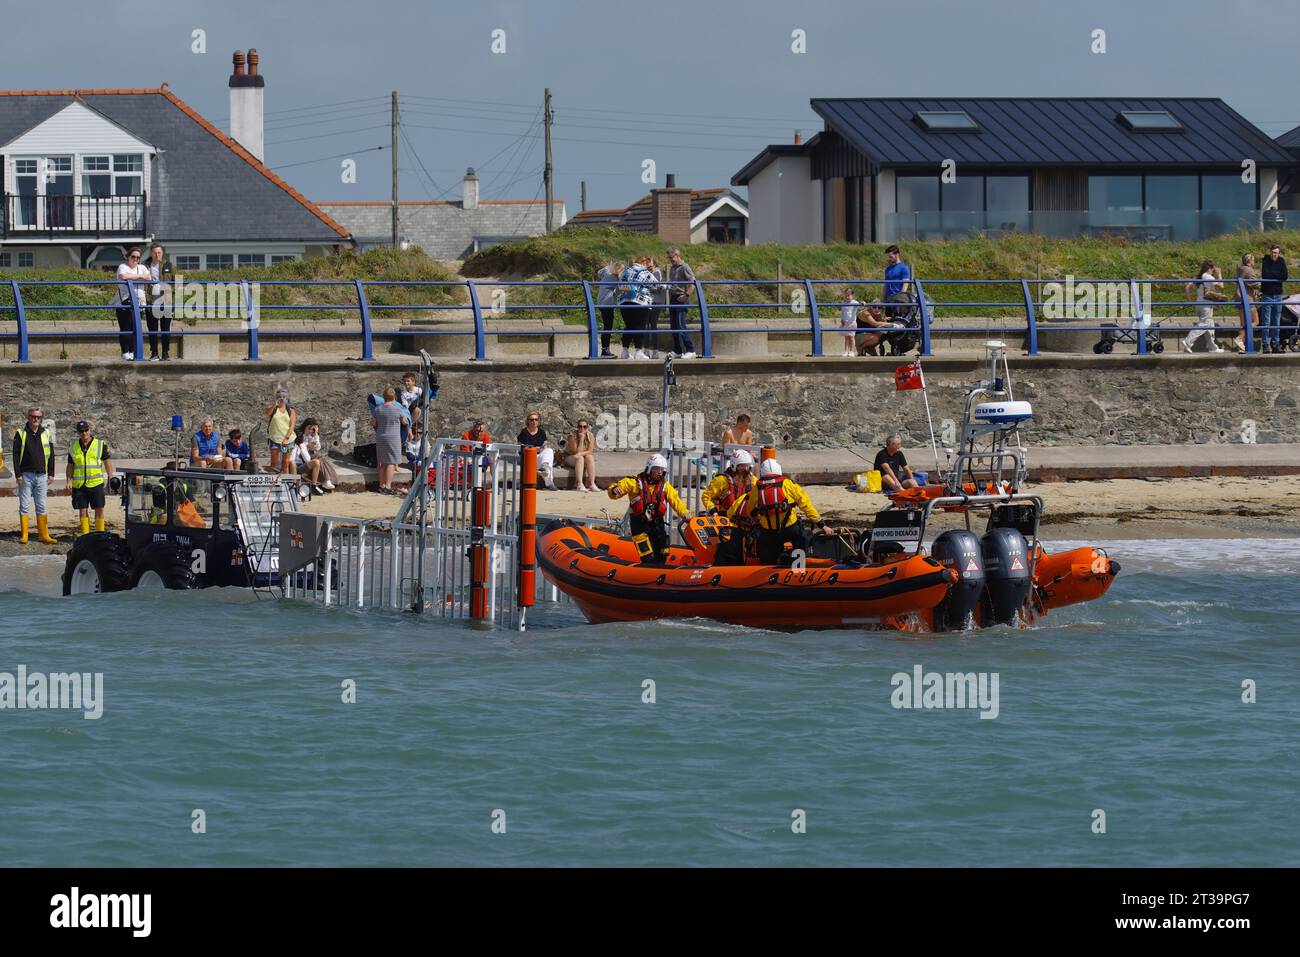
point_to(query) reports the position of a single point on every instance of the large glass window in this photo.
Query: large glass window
(918, 194)
(1115, 192)
(965, 194)
(1010, 193)
(1171, 192)
(1226, 192)
(221, 261)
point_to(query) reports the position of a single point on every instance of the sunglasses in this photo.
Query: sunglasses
(533, 418)
(34, 417)
(582, 425)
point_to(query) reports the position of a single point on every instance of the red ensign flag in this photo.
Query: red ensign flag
(909, 377)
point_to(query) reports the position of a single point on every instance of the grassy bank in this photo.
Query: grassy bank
(574, 254)
(379, 265)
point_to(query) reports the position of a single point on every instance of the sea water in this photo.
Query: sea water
(1157, 726)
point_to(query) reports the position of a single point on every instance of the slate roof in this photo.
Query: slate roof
(1044, 132)
(1289, 140)
(638, 218)
(203, 185)
(446, 230)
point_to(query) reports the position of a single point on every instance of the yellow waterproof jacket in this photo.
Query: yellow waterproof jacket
(628, 487)
(717, 491)
(795, 496)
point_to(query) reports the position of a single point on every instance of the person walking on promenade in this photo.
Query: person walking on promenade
(634, 304)
(33, 458)
(387, 423)
(135, 270)
(159, 315)
(1270, 312)
(606, 300)
(1209, 282)
(89, 471)
(897, 279)
(681, 280)
(1249, 310)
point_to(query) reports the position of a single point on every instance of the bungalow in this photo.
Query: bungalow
(678, 215)
(885, 170)
(88, 173)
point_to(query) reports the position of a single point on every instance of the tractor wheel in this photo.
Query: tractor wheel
(97, 562)
(163, 565)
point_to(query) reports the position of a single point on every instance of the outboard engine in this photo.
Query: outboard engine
(959, 550)
(1006, 570)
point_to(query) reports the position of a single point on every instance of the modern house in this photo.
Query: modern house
(885, 170)
(679, 215)
(89, 173)
(447, 229)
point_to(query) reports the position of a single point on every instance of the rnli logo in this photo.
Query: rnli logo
(295, 539)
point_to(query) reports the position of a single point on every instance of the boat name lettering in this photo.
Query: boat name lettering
(909, 534)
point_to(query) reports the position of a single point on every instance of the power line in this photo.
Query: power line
(571, 139)
(321, 159)
(414, 152)
(321, 136)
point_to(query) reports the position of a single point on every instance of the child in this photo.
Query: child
(237, 449)
(410, 397)
(413, 445)
(849, 321)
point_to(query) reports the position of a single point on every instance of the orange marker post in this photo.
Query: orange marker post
(527, 529)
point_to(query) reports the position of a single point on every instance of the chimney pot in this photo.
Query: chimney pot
(798, 137)
(239, 62)
(671, 181)
(252, 62)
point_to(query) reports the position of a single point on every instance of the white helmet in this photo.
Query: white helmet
(770, 467)
(656, 461)
(741, 457)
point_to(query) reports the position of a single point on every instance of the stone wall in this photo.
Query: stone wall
(801, 403)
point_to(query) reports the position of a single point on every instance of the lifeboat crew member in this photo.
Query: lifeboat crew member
(725, 490)
(650, 496)
(775, 505)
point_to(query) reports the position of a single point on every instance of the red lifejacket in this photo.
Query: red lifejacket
(772, 509)
(650, 501)
(732, 491)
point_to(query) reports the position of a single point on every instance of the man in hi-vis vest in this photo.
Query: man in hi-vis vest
(33, 458)
(89, 470)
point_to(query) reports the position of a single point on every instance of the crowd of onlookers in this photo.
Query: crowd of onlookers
(1266, 309)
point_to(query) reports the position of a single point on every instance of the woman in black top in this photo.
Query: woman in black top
(533, 434)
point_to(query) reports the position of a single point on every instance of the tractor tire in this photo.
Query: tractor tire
(163, 565)
(97, 562)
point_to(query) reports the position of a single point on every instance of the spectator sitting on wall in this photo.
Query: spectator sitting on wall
(891, 463)
(409, 396)
(580, 456)
(205, 449)
(328, 475)
(302, 463)
(740, 433)
(475, 433)
(534, 435)
(414, 448)
(237, 449)
(871, 342)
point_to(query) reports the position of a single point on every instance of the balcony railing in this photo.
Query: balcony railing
(49, 217)
(1150, 224)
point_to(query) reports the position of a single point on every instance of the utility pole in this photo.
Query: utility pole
(584, 195)
(550, 186)
(393, 125)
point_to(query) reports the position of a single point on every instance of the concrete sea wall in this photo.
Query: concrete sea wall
(796, 403)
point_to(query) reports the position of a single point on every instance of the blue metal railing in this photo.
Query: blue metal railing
(794, 299)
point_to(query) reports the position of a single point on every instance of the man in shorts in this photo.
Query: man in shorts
(89, 471)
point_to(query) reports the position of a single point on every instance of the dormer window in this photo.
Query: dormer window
(946, 121)
(1150, 121)
(119, 174)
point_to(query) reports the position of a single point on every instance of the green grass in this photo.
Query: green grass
(379, 264)
(574, 254)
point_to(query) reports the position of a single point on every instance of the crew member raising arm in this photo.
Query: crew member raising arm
(650, 496)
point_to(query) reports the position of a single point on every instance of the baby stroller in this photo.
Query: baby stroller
(1290, 317)
(1112, 333)
(908, 315)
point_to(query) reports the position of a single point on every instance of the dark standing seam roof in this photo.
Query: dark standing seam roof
(1290, 139)
(200, 189)
(1051, 132)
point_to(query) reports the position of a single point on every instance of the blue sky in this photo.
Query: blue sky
(699, 87)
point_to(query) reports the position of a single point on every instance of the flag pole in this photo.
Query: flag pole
(926, 396)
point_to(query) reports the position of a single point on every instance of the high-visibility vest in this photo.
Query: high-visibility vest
(88, 464)
(22, 448)
(730, 492)
(650, 501)
(773, 510)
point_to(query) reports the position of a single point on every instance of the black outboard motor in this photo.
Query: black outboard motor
(1006, 570)
(959, 549)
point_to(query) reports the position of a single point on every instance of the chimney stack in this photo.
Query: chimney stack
(469, 189)
(246, 90)
(670, 210)
(798, 137)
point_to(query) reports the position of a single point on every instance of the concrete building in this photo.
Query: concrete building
(447, 229)
(885, 170)
(680, 215)
(88, 173)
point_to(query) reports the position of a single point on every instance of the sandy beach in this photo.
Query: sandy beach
(1118, 508)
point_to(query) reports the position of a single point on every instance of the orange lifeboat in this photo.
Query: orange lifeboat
(1068, 578)
(601, 572)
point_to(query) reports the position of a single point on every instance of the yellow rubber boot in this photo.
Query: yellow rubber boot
(22, 529)
(99, 524)
(85, 525)
(43, 530)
